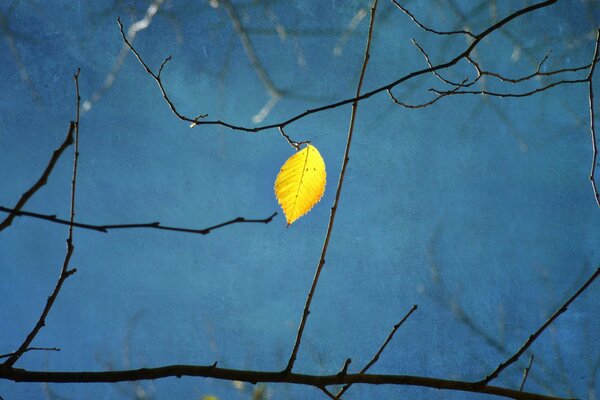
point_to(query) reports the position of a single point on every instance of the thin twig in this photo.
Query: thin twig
(477, 39)
(510, 94)
(537, 333)
(592, 119)
(345, 160)
(438, 75)
(31, 349)
(526, 373)
(420, 25)
(157, 78)
(379, 352)
(65, 272)
(42, 180)
(250, 376)
(150, 225)
(427, 104)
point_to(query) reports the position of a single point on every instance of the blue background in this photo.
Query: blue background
(476, 206)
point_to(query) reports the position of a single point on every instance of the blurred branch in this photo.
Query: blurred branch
(149, 225)
(9, 37)
(345, 160)
(540, 330)
(65, 272)
(118, 64)
(212, 371)
(526, 373)
(274, 93)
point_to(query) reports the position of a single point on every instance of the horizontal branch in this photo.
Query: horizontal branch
(7, 355)
(147, 225)
(318, 381)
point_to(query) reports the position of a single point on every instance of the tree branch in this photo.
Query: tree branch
(317, 381)
(420, 25)
(345, 160)
(65, 272)
(149, 225)
(42, 180)
(477, 39)
(592, 119)
(537, 333)
(379, 352)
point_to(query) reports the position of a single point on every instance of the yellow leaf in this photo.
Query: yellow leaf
(300, 183)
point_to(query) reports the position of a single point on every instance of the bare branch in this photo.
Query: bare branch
(149, 225)
(592, 119)
(477, 39)
(422, 105)
(345, 160)
(210, 371)
(157, 78)
(509, 94)
(379, 352)
(420, 25)
(42, 180)
(31, 349)
(65, 272)
(537, 333)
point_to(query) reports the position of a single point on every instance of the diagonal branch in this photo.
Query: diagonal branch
(149, 225)
(65, 271)
(379, 352)
(345, 160)
(42, 180)
(540, 330)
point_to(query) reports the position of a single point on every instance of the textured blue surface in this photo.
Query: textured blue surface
(480, 205)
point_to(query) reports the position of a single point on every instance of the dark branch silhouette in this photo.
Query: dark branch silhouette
(590, 82)
(338, 192)
(375, 358)
(42, 180)
(212, 371)
(476, 40)
(148, 225)
(503, 365)
(65, 271)
(422, 26)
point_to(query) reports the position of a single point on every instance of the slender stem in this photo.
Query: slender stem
(526, 373)
(537, 333)
(379, 352)
(65, 272)
(338, 192)
(592, 119)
